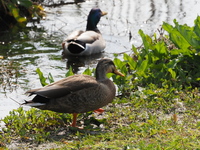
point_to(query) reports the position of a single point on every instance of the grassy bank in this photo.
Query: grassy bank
(152, 118)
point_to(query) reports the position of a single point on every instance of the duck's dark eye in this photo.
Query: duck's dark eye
(111, 63)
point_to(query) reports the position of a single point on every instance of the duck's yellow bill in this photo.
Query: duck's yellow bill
(103, 13)
(118, 73)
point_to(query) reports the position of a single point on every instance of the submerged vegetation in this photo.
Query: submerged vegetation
(18, 11)
(157, 107)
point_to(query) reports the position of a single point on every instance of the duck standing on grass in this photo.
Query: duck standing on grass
(78, 93)
(83, 43)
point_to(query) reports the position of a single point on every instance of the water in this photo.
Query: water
(39, 44)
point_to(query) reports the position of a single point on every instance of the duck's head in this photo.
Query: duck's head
(105, 66)
(94, 17)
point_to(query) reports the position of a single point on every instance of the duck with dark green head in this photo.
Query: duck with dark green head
(83, 43)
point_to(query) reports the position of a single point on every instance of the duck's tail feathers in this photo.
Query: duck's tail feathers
(32, 104)
(76, 47)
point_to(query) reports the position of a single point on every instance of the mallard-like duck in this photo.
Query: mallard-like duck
(88, 42)
(78, 93)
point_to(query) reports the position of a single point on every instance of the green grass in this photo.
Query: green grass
(138, 122)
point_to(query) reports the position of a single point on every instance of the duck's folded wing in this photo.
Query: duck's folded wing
(50, 91)
(88, 37)
(65, 86)
(74, 35)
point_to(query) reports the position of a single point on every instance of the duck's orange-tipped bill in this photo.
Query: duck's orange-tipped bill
(118, 73)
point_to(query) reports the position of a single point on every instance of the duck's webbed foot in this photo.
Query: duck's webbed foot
(99, 111)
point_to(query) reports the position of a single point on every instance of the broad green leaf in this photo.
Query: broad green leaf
(118, 63)
(161, 49)
(176, 37)
(87, 72)
(41, 76)
(108, 75)
(21, 19)
(157, 66)
(179, 40)
(70, 72)
(180, 51)
(153, 57)
(15, 13)
(173, 73)
(188, 33)
(144, 39)
(167, 27)
(25, 3)
(197, 26)
(141, 68)
(121, 65)
(134, 49)
(132, 63)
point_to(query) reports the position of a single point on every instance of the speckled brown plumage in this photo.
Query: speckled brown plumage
(77, 93)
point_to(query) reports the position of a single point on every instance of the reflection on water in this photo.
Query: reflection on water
(76, 62)
(23, 51)
(39, 44)
(9, 72)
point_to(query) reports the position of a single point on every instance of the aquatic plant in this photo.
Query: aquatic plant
(167, 60)
(18, 11)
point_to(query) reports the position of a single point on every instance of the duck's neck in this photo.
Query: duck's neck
(100, 74)
(92, 26)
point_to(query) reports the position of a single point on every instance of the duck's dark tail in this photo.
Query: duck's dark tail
(32, 104)
(76, 46)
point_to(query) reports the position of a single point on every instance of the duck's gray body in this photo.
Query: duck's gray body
(83, 43)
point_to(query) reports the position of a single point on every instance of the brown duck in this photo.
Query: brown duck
(78, 93)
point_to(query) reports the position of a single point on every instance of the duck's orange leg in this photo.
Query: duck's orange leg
(74, 120)
(99, 111)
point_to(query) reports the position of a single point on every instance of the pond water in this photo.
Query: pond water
(39, 44)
